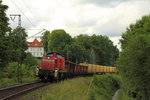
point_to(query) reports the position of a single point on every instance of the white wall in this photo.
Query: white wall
(36, 51)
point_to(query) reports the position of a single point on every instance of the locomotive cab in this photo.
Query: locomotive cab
(51, 64)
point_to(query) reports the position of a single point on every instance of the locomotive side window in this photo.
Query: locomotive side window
(59, 56)
(50, 55)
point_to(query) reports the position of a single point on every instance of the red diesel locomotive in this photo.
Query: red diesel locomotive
(54, 67)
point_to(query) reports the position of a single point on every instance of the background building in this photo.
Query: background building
(36, 48)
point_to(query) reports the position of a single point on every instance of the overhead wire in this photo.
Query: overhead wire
(19, 60)
(29, 19)
(23, 13)
(35, 34)
(31, 12)
(34, 29)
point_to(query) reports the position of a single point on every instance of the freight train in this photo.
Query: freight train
(54, 67)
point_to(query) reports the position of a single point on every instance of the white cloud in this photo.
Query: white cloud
(102, 17)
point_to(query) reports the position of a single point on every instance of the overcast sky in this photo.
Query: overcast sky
(101, 17)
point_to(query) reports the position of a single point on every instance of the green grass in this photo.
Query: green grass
(12, 81)
(103, 87)
(6, 82)
(72, 89)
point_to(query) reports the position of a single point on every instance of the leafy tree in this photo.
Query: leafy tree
(19, 44)
(134, 60)
(134, 66)
(79, 48)
(30, 61)
(44, 40)
(104, 50)
(4, 39)
(140, 27)
(57, 40)
(83, 40)
(75, 53)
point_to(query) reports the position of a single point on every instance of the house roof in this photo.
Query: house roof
(35, 43)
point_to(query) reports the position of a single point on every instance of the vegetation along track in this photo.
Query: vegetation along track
(17, 90)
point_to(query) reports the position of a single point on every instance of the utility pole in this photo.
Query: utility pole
(67, 54)
(19, 76)
(13, 16)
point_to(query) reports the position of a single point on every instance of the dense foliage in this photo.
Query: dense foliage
(30, 61)
(19, 44)
(104, 87)
(44, 40)
(104, 51)
(57, 40)
(140, 27)
(27, 69)
(134, 60)
(14, 61)
(4, 39)
(82, 47)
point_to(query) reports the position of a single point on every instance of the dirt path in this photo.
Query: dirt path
(115, 95)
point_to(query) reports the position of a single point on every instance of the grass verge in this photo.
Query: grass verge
(72, 89)
(98, 87)
(13, 81)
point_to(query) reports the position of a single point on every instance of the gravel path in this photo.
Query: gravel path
(115, 95)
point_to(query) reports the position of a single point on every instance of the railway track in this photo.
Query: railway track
(9, 93)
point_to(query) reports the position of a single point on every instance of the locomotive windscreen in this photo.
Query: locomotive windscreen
(59, 56)
(50, 54)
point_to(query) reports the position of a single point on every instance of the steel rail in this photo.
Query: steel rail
(11, 92)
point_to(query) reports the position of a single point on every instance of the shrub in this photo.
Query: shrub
(104, 87)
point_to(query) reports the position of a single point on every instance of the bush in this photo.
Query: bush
(12, 70)
(28, 72)
(30, 61)
(1, 75)
(104, 87)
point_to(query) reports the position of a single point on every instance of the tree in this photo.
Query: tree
(134, 60)
(79, 48)
(19, 44)
(83, 40)
(140, 27)
(134, 64)
(44, 40)
(75, 53)
(4, 39)
(99, 47)
(57, 41)
(106, 52)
